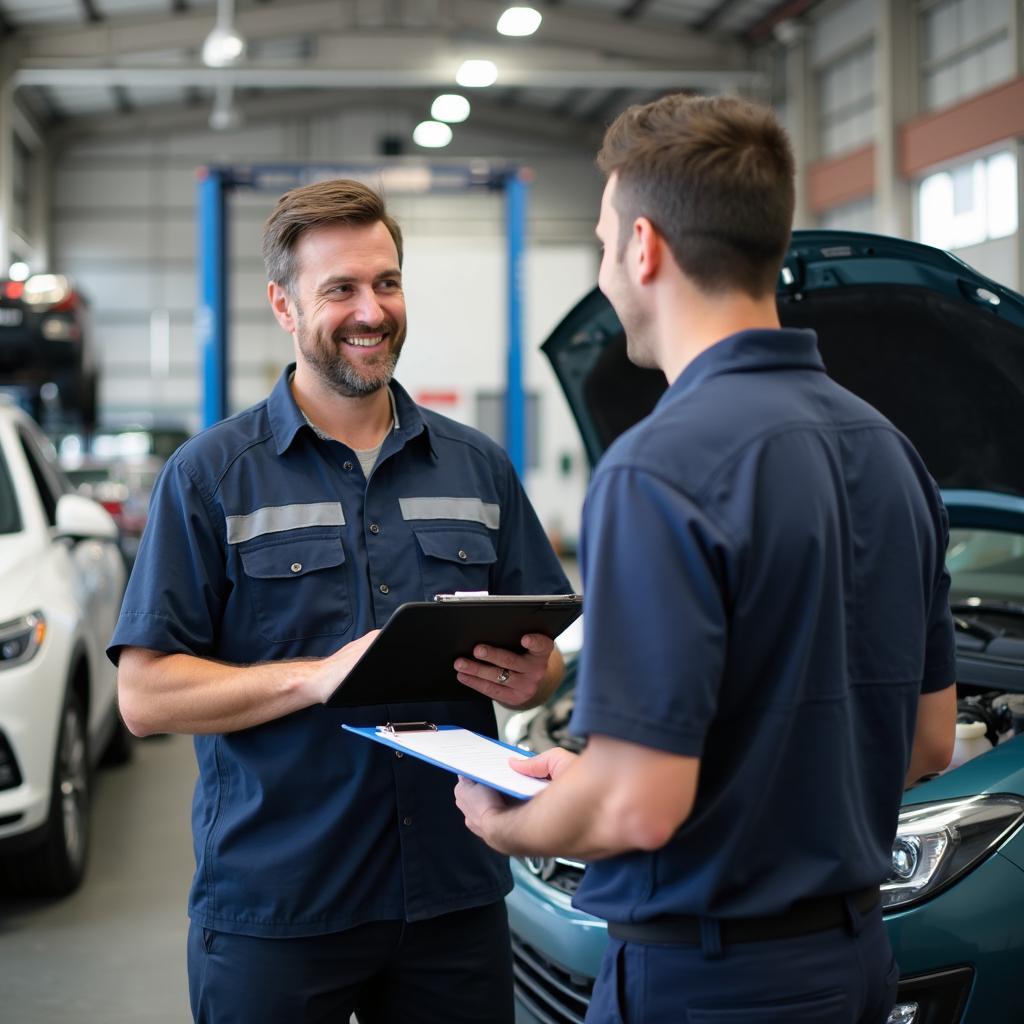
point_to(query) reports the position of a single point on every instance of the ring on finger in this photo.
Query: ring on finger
(503, 676)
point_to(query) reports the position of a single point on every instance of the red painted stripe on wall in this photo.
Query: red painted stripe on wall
(841, 179)
(956, 131)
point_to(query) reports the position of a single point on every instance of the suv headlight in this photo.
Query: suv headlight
(21, 638)
(936, 843)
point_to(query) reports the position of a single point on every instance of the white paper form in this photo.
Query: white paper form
(470, 754)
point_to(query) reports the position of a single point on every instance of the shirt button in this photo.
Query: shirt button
(463, 555)
(374, 528)
(384, 588)
(398, 753)
(407, 821)
(296, 567)
(346, 465)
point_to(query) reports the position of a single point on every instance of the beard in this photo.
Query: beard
(328, 359)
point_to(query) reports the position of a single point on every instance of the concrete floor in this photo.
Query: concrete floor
(114, 952)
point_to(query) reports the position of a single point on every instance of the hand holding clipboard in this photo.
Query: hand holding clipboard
(412, 658)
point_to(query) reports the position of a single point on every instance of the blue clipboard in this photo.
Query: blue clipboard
(373, 732)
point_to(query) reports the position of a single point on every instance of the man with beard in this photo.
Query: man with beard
(784, 660)
(332, 875)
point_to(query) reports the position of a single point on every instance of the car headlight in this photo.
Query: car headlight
(938, 842)
(21, 638)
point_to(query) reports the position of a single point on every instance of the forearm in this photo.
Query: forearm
(934, 734)
(582, 814)
(183, 694)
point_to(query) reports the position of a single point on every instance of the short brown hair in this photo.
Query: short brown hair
(714, 175)
(338, 201)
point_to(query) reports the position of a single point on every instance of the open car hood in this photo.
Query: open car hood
(935, 346)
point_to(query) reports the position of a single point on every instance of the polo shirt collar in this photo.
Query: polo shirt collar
(750, 351)
(286, 418)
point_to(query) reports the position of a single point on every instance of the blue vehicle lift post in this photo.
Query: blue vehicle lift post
(215, 184)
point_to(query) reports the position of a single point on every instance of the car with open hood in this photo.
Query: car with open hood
(939, 350)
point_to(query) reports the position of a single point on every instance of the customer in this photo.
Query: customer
(331, 874)
(769, 648)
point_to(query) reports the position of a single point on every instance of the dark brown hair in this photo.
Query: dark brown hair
(338, 201)
(714, 175)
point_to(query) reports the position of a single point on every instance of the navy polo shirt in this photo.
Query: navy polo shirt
(264, 542)
(763, 562)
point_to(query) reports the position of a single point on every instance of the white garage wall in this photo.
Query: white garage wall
(124, 227)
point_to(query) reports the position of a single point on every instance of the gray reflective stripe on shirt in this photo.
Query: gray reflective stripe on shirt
(471, 510)
(275, 518)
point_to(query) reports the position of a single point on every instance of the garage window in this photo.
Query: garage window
(970, 203)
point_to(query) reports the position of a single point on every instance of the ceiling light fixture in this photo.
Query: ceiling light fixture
(477, 74)
(223, 46)
(19, 271)
(450, 107)
(432, 134)
(519, 21)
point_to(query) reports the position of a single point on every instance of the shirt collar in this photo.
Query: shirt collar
(287, 419)
(748, 351)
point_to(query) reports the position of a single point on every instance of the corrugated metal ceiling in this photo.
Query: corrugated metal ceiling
(88, 59)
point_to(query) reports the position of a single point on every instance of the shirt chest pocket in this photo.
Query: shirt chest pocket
(299, 587)
(453, 559)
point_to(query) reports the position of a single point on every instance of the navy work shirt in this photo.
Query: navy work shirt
(265, 542)
(763, 562)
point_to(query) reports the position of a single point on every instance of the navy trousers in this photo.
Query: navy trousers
(453, 969)
(844, 975)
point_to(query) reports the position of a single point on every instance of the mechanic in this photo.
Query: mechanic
(768, 652)
(331, 876)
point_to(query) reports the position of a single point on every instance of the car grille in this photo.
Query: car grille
(551, 993)
(558, 872)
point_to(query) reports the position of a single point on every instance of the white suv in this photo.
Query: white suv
(61, 581)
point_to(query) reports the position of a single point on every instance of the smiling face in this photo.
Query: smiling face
(348, 306)
(614, 280)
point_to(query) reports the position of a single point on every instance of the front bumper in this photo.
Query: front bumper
(556, 951)
(31, 698)
(955, 952)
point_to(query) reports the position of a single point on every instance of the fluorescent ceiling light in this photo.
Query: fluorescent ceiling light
(519, 21)
(475, 74)
(450, 107)
(431, 134)
(223, 46)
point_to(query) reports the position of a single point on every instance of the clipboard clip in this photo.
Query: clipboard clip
(396, 727)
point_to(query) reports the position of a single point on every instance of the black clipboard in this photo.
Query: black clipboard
(413, 658)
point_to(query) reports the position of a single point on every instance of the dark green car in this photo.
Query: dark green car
(939, 349)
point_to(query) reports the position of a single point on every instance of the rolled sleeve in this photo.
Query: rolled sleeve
(174, 599)
(654, 579)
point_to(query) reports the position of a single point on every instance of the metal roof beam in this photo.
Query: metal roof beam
(272, 76)
(118, 39)
(530, 123)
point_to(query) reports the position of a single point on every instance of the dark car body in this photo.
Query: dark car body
(939, 349)
(45, 341)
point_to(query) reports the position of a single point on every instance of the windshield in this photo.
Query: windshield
(986, 566)
(10, 517)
